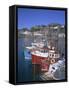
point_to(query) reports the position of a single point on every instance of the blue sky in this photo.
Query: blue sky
(31, 17)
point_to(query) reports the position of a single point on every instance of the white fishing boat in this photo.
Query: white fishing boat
(38, 44)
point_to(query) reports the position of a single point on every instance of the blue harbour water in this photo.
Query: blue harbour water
(25, 64)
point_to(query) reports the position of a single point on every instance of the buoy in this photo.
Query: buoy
(52, 61)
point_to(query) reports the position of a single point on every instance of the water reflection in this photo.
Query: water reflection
(25, 67)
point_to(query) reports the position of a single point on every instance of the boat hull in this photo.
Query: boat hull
(42, 61)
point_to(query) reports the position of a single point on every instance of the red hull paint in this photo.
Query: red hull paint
(38, 60)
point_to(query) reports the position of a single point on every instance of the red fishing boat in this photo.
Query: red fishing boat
(43, 56)
(40, 56)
